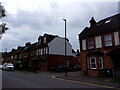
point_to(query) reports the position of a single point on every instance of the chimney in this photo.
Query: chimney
(13, 49)
(28, 43)
(19, 47)
(92, 22)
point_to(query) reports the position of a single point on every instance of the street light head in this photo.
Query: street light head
(64, 19)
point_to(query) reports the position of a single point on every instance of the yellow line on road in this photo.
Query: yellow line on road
(86, 83)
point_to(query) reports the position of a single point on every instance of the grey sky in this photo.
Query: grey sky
(27, 19)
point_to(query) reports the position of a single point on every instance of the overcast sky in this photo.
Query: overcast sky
(28, 19)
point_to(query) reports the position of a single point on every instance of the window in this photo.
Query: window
(11, 57)
(108, 40)
(116, 36)
(83, 44)
(100, 62)
(46, 50)
(41, 51)
(91, 43)
(108, 21)
(98, 42)
(93, 63)
(44, 39)
(38, 51)
(39, 41)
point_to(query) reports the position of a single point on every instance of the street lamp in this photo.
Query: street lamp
(65, 49)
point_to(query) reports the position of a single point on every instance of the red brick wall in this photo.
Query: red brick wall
(83, 60)
(56, 60)
(108, 63)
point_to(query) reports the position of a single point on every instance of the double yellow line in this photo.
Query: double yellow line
(103, 86)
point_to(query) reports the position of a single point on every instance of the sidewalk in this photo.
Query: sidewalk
(90, 80)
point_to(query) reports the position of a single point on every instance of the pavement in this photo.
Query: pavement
(96, 81)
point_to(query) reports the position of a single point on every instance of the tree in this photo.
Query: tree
(3, 27)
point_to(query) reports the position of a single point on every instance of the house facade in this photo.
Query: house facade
(99, 46)
(50, 52)
(45, 54)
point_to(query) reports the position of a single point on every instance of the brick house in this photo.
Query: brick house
(48, 52)
(100, 45)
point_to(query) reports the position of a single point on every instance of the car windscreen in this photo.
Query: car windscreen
(10, 65)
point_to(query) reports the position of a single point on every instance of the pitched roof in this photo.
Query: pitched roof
(109, 24)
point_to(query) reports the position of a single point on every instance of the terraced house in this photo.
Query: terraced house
(100, 47)
(45, 54)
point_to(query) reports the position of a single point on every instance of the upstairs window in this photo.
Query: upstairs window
(44, 40)
(39, 41)
(44, 52)
(116, 37)
(98, 42)
(83, 44)
(92, 63)
(108, 40)
(90, 43)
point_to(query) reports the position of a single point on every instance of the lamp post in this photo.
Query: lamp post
(65, 49)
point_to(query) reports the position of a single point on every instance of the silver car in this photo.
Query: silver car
(1, 67)
(8, 66)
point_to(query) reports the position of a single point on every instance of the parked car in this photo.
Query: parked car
(1, 67)
(63, 68)
(8, 66)
(77, 68)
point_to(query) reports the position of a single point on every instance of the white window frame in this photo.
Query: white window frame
(108, 40)
(46, 50)
(93, 63)
(83, 44)
(12, 57)
(116, 37)
(41, 51)
(98, 42)
(40, 41)
(44, 40)
(90, 44)
(100, 59)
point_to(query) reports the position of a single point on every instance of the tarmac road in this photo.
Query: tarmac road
(15, 79)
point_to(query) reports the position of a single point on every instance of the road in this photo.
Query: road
(16, 79)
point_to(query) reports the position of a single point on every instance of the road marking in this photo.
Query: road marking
(54, 77)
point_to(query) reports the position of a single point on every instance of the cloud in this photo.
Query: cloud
(27, 22)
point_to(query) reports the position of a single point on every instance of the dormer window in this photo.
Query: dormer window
(108, 21)
(39, 41)
(44, 40)
(90, 43)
